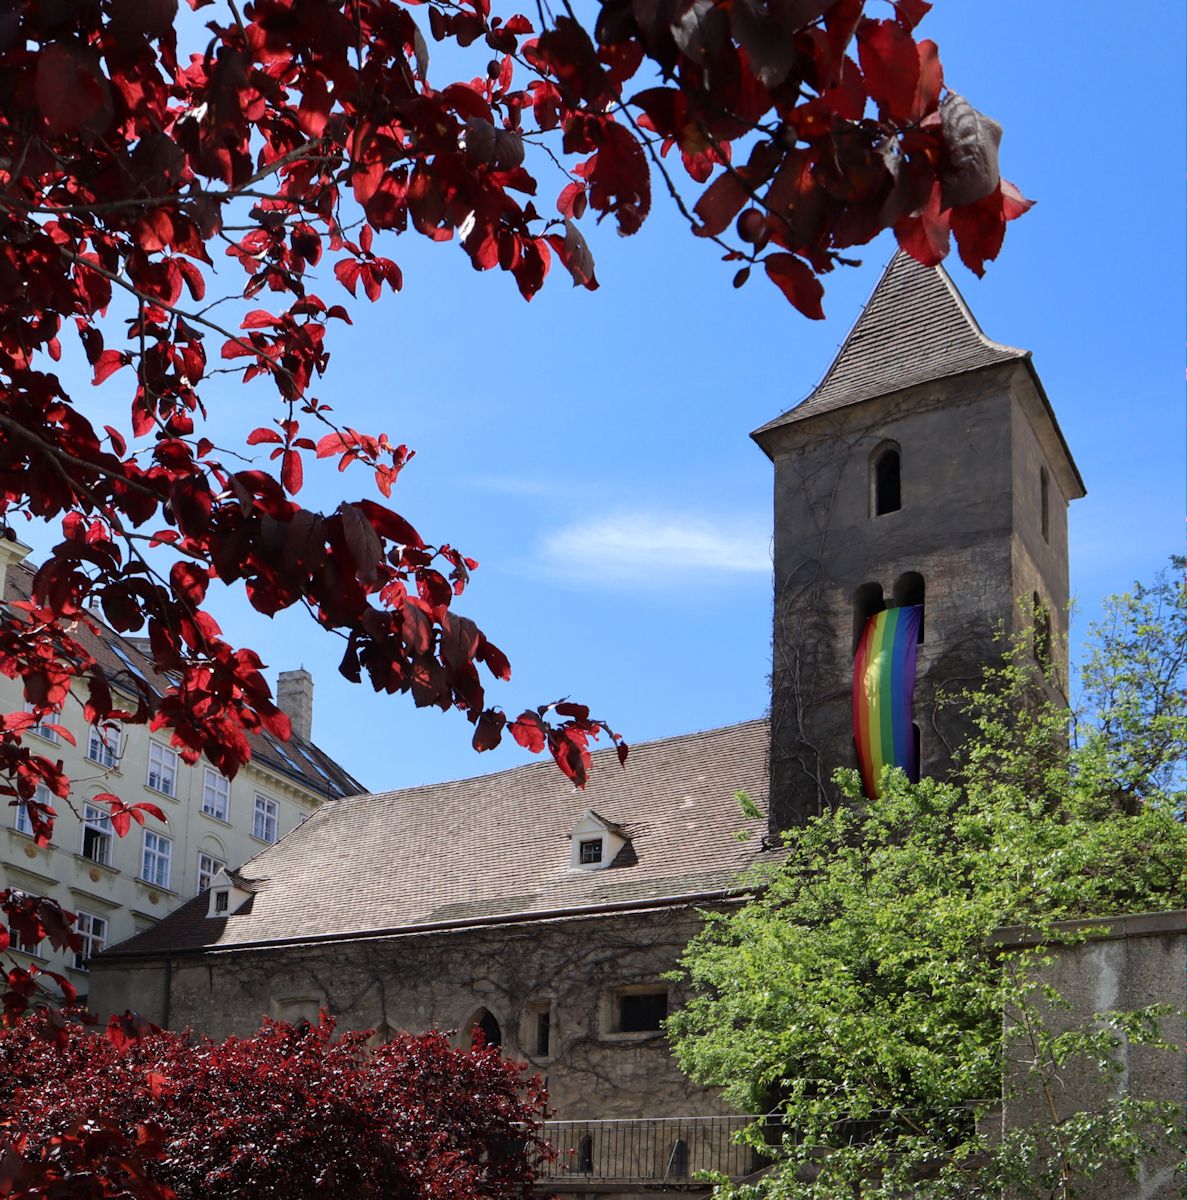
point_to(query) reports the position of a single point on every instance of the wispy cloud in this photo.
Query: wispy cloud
(654, 548)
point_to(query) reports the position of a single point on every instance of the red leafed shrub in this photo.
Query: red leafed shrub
(290, 1112)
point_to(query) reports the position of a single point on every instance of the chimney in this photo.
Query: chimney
(294, 697)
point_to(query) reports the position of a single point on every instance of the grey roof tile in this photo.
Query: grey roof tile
(497, 846)
(915, 328)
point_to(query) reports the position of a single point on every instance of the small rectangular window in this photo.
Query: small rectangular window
(162, 769)
(641, 1012)
(208, 868)
(97, 834)
(42, 727)
(222, 901)
(216, 794)
(20, 821)
(264, 824)
(591, 851)
(103, 745)
(157, 860)
(93, 931)
(543, 1034)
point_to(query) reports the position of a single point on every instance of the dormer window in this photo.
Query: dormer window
(595, 842)
(228, 893)
(590, 851)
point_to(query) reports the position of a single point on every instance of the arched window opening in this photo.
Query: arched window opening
(678, 1160)
(1041, 634)
(585, 1156)
(915, 733)
(867, 600)
(886, 493)
(909, 588)
(1045, 503)
(484, 1029)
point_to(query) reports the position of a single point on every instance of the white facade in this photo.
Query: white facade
(120, 886)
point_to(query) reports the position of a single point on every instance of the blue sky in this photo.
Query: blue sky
(592, 449)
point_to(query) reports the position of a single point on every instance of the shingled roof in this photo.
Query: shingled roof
(496, 847)
(122, 659)
(915, 328)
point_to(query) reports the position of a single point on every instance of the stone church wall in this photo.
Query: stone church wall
(570, 968)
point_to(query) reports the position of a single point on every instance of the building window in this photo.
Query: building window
(17, 940)
(1045, 503)
(157, 859)
(909, 589)
(263, 824)
(208, 868)
(222, 901)
(43, 727)
(639, 1010)
(590, 851)
(97, 834)
(484, 1029)
(867, 600)
(20, 821)
(584, 1165)
(103, 746)
(93, 931)
(678, 1160)
(886, 495)
(216, 794)
(162, 769)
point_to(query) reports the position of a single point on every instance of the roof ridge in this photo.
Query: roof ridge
(541, 764)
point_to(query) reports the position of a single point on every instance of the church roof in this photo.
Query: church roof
(915, 328)
(495, 848)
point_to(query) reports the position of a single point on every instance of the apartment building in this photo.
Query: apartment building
(121, 886)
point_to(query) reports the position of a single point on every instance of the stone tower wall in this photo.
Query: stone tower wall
(968, 525)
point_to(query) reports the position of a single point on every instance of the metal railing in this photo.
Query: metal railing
(652, 1150)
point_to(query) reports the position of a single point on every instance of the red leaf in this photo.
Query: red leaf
(528, 730)
(720, 204)
(263, 435)
(797, 281)
(71, 90)
(152, 810)
(291, 473)
(488, 733)
(347, 271)
(931, 80)
(924, 235)
(890, 64)
(108, 363)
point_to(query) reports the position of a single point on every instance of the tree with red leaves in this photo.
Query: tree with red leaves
(289, 1112)
(298, 139)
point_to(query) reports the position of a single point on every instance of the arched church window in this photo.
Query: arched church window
(585, 1156)
(678, 1161)
(484, 1025)
(886, 493)
(867, 600)
(1045, 503)
(909, 588)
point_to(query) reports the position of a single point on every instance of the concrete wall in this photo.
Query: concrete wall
(1132, 962)
(570, 967)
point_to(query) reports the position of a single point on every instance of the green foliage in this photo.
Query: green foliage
(861, 999)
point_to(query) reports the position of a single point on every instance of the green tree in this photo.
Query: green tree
(859, 999)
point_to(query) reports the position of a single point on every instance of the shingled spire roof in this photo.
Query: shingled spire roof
(915, 328)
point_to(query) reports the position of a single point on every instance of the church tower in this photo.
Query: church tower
(926, 467)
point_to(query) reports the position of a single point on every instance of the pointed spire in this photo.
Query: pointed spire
(914, 328)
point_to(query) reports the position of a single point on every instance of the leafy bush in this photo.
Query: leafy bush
(290, 1112)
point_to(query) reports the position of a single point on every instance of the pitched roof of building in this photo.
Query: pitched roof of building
(914, 328)
(496, 847)
(122, 658)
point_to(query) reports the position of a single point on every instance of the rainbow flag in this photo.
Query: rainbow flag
(883, 694)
